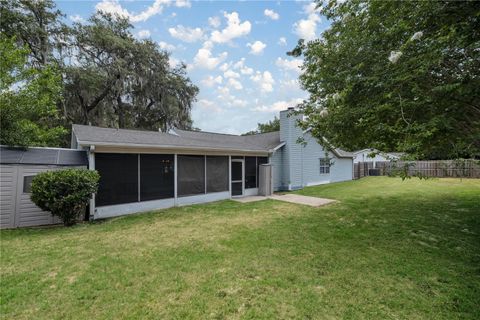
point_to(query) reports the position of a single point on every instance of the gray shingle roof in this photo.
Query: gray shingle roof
(43, 156)
(176, 139)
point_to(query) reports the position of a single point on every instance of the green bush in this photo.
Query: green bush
(65, 193)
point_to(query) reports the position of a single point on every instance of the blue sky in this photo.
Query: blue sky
(235, 51)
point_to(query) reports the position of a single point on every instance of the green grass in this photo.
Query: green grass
(388, 250)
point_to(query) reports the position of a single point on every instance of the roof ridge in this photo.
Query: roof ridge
(123, 129)
(210, 132)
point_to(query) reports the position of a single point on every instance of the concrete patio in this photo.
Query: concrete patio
(292, 198)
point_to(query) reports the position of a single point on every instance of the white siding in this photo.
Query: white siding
(8, 194)
(17, 210)
(341, 169)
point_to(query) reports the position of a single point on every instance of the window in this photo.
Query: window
(27, 184)
(156, 176)
(217, 174)
(324, 166)
(250, 172)
(190, 175)
(118, 178)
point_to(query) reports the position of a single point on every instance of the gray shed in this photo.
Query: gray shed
(17, 168)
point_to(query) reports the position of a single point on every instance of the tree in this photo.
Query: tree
(36, 25)
(28, 112)
(123, 82)
(393, 75)
(109, 78)
(270, 126)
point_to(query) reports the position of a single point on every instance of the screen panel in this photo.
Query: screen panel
(118, 178)
(260, 160)
(236, 171)
(217, 174)
(250, 172)
(157, 176)
(190, 175)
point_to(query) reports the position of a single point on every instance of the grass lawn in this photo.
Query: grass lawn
(388, 250)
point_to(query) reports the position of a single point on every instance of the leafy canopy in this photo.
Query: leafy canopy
(28, 98)
(396, 76)
(270, 126)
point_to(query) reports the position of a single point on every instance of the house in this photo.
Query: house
(146, 170)
(18, 166)
(374, 155)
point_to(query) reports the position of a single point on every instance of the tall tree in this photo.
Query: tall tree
(120, 81)
(28, 112)
(36, 25)
(269, 126)
(396, 75)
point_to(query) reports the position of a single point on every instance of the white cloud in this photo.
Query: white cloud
(271, 14)
(210, 81)
(166, 46)
(114, 7)
(240, 65)
(307, 28)
(257, 47)
(282, 41)
(183, 4)
(172, 62)
(279, 105)
(233, 30)
(214, 22)
(186, 34)
(208, 105)
(205, 59)
(77, 18)
(235, 84)
(142, 34)
(264, 80)
(224, 67)
(231, 74)
(290, 65)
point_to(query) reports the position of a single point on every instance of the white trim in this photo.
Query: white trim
(175, 195)
(230, 175)
(203, 198)
(169, 147)
(250, 192)
(134, 207)
(242, 161)
(277, 147)
(91, 166)
(138, 178)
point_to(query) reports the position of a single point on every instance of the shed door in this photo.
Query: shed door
(8, 194)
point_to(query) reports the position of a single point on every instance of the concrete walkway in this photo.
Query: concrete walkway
(292, 198)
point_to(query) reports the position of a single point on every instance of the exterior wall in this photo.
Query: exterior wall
(16, 208)
(102, 212)
(341, 169)
(276, 159)
(363, 157)
(292, 156)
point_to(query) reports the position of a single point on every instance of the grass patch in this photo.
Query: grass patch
(388, 250)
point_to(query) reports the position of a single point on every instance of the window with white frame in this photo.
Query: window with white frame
(324, 166)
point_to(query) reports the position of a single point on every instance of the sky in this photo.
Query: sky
(235, 51)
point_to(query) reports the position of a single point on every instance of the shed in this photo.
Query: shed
(17, 168)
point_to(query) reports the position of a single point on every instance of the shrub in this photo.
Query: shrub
(65, 193)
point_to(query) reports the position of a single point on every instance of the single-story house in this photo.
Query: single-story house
(374, 155)
(146, 170)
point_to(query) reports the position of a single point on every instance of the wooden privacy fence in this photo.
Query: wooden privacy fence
(468, 168)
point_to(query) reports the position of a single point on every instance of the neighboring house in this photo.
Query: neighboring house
(374, 155)
(17, 168)
(147, 170)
